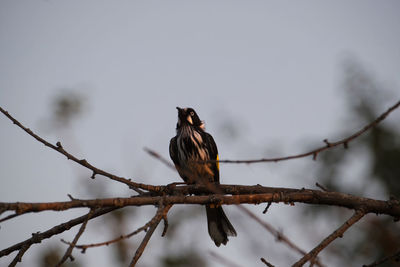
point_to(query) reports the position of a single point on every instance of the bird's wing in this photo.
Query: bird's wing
(173, 151)
(213, 152)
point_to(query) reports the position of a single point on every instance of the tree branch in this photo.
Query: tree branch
(78, 235)
(161, 213)
(358, 214)
(395, 257)
(83, 162)
(106, 243)
(328, 145)
(266, 262)
(38, 237)
(285, 195)
(278, 235)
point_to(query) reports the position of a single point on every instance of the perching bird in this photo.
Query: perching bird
(188, 150)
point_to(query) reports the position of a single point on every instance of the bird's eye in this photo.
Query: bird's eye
(191, 113)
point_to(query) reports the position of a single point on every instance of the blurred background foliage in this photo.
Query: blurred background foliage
(373, 160)
(369, 167)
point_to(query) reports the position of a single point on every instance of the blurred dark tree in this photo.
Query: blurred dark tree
(52, 255)
(188, 258)
(375, 237)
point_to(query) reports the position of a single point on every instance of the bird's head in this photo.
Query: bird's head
(188, 117)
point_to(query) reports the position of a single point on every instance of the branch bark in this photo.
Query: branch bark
(264, 195)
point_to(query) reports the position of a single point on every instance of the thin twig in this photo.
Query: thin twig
(160, 158)
(267, 207)
(117, 239)
(39, 237)
(358, 214)
(161, 213)
(395, 257)
(58, 147)
(224, 261)
(321, 186)
(11, 216)
(267, 263)
(77, 236)
(277, 234)
(18, 257)
(328, 144)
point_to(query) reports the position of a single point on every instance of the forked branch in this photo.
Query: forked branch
(358, 214)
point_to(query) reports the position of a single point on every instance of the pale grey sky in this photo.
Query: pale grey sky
(273, 68)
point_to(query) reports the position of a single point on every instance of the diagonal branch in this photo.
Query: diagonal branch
(21, 253)
(9, 217)
(395, 257)
(161, 213)
(39, 237)
(328, 145)
(279, 235)
(78, 235)
(358, 214)
(83, 162)
(266, 262)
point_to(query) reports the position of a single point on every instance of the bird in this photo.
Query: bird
(190, 150)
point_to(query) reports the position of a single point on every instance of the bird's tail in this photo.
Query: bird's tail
(219, 227)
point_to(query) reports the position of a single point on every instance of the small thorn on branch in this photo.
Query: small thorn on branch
(165, 226)
(70, 197)
(328, 144)
(322, 187)
(315, 154)
(346, 145)
(93, 175)
(58, 144)
(267, 207)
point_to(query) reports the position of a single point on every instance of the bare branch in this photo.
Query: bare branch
(77, 236)
(39, 237)
(395, 257)
(266, 262)
(285, 195)
(117, 239)
(58, 147)
(160, 158)
(161, 213)
(345, 142)
(9, 217)
(322, 187)
(21, 253)
(267, 207)
(358, 214)
(278, 235)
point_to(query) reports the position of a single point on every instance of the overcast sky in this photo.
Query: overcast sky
(273, 69)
